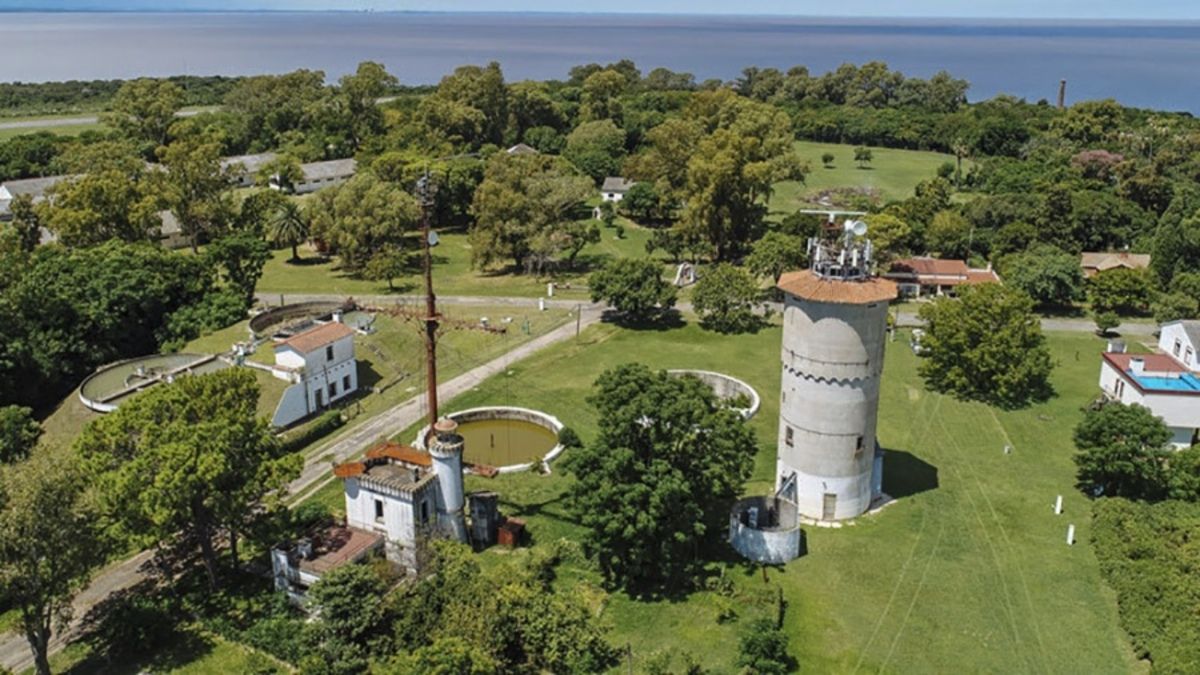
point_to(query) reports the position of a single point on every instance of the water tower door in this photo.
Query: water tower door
(829, 506)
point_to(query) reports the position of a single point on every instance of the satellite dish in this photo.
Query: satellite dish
(858, 227)
(433, 239)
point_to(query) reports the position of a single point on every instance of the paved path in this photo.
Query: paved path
(910, 319)
(45, 123)
(14, 650)
(388, 300)
(316, 472)
(15, 654)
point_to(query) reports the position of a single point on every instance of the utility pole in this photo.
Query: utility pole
(425, 192)
(1062, 94)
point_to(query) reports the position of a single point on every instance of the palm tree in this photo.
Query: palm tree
(289, 227)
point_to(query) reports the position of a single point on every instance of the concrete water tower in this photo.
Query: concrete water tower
(834, 331)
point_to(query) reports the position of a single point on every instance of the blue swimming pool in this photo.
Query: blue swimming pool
(1185, 382)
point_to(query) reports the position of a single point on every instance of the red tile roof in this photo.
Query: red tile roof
(400, 453)
(1153, 363)
(805, 284)
(930, 267)
(1099, 262)
(349, 470)
(315, 338)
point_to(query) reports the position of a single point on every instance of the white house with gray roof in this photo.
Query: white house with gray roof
(246, 167)
(614, 188)
(319, 175)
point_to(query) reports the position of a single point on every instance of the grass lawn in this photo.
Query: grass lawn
(968, 571)
(191, 653)
(60, 129)
(453, 274)
(894, 173)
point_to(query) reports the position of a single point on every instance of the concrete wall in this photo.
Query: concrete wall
(774, 545)
(832, 359)
(726, 387)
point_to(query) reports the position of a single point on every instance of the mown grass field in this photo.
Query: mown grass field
(893, 173)
(192, 653)
(968, 571)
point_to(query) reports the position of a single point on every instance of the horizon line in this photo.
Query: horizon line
(911, 17)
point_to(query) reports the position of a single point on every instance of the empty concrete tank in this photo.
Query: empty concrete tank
(834, 330)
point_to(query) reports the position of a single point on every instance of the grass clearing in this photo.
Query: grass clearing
(453, 274)
(191, 652)
(892, 172)
(968, 567)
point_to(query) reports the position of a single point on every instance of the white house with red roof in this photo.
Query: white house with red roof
(1167, 383)
(321, 365)
(923, 276)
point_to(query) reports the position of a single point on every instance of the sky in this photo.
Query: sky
(1031, 9)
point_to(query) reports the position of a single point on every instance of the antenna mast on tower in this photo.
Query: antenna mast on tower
(426, 191)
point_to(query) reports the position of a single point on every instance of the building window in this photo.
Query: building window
(346, 383)
(787, 437)
(332, 390)
(1176, 350)
(858, 447)
(329, 353)
(379, 510)
(1187, 359)
(424, 513)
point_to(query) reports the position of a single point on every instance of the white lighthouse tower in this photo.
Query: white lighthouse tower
(834, 330)
(446, 451)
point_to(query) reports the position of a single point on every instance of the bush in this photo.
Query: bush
(569, 439)
(634, 287)
(763, 649)
(327, 423)
(1145, 557)
(216, 311)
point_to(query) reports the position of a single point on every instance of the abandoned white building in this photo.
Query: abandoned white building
(1167, 383)
(319, 175)
(397, 499)
(320, 364)
(614, 188)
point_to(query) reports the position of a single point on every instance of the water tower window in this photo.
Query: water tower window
(424, 512)
(379, 510)
(346, 383)
(332, 390)
(787, 437)
(329, 353)
(858, 448)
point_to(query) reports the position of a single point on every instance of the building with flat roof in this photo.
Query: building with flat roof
(1168, 383)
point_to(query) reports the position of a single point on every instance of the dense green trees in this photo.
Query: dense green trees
(187, 461)
(143, 110)
(362, 217)
(1147, 555)
(596, 149)
(49, 544)
(986, 345)
(289, 226)
(656, 482)
(634, 287)
(195, 186)
(1052, 277)
(775, 254)
(524, 210)
(19, 433)
(72, 310)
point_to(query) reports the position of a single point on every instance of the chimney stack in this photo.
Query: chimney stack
(1137, 366)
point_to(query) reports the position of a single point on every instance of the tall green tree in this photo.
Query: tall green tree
(144, 110)
(49, 544)
(359, 94)
(1049, 275)
(656, 483)
(187, 460)
(361, 217)
(523, 198)
(986, 345)
(1123, 290)
(596, 148)
(289, 227)
(352, 611)
(775, 254)
(1123, 452)
(725, 297)
(19, 433)
(239, 259)
(196, 186)
(634, 287)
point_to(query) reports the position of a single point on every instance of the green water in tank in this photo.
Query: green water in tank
(505, 442)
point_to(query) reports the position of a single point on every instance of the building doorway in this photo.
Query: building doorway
(828, 506)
